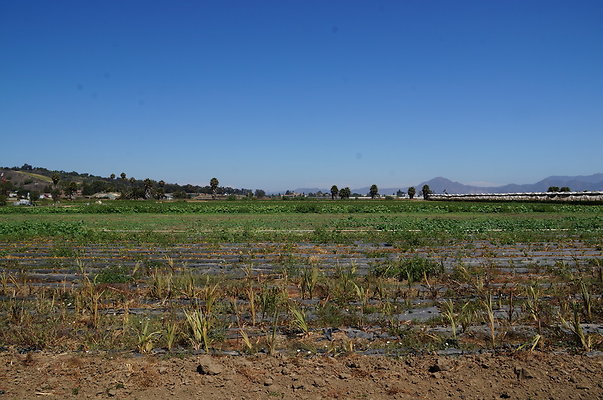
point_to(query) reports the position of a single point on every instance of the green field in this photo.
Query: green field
(322, 221)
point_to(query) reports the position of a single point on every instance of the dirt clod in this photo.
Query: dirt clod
(522, 373)
(207, 366)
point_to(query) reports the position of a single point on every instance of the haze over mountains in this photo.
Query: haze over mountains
(440, 184)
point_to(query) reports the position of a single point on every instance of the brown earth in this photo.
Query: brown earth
(521, 375)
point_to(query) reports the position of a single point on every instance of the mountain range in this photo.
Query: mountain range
(440, 184)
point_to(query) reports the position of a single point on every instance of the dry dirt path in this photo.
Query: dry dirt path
(522, 375)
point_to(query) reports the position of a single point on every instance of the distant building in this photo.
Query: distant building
(108, 196)
(289, 194)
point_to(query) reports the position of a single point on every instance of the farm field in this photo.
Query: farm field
(348, 281)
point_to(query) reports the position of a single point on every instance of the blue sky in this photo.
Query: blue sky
(285, 94)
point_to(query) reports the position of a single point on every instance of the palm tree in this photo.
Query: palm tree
(55, 193)
(334, 192)
(373, 191)
(148, 185)
(213, 184)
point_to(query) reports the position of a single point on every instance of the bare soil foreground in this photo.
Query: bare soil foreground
(520, 375)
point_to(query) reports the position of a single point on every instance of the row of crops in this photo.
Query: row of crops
(413, 230)
(307, 206)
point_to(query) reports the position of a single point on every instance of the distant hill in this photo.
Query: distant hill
(38, 179)
(441, 184)
(27, 180)
(576, 183)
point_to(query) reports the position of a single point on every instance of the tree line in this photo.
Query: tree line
(374, 192)
(70, 184)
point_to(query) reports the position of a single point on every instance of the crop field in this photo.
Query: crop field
(302, 277)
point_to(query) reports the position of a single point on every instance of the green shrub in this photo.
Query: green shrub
(409, 269)
(63, 251)
(306, 208)
(114, 274)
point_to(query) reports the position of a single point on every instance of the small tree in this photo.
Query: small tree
(55, 179)
(137, 193)
(260, 194)
(112, 176)
(373, 191)
(426, 192)
(411, 192)
(345, 193)
(71, 189)
(180, 194)
(123, 176)
(334, 192)
(213, 184)
(34, 195)
(22, 193)
(5, 187)
(565, 189)
(553, 189)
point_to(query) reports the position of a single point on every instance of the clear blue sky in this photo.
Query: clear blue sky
(285, 94)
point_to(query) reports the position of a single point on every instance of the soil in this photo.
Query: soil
(519, 375)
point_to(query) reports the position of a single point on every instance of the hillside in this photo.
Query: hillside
(27, 180)
(39, 179)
